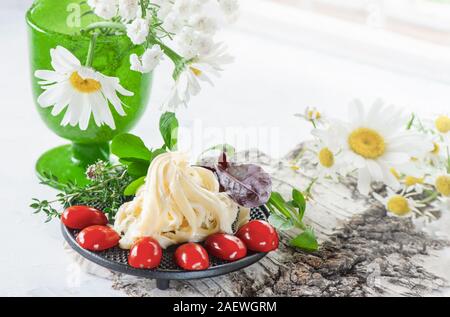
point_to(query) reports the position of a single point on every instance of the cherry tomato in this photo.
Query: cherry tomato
(226, 247)
(98, 238)
(146, 253)
(192, 257)
(80, 217)
(258, 236)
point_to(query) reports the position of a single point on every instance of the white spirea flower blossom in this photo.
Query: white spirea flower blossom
(149, 60)
(106, 9)
(172, 23)
(192, 43)
(138, 31)
(185, 8)
(82, 90)
(203, 23)
(128, 9)
(230, 8)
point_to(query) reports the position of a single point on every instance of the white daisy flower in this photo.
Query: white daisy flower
(442, 184)
(437, 156)
(325, 155)
(138, 31)
(414, 184)
(81, 90)
(188, 82)
(376, 141)
(149, 60)
(311, 114)
(438, 228)
(399, 204)
(442, 124)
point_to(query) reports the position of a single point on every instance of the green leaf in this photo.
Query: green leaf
(277, 202)
(157, 152)
(306, 241)
(134, 186)
(138, 169)
(299, 202)
(280, 222)
(130, 146)
(168, 126)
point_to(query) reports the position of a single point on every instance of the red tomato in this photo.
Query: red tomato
(226, 247)
(259, 236)
(192, 257)
(98, 238)
(80, 217)
(146, 253)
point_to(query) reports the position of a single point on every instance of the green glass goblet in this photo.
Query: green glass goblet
(102, 61)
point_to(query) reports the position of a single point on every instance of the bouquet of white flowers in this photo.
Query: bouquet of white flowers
(183, 30)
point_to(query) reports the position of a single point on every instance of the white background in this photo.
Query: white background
(285, 60)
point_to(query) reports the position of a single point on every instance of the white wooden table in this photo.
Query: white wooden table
(281, 67)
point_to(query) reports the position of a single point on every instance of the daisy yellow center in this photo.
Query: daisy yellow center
(83, 85)
(326, 157)
(314, 115)
(443, 185)
(398, 205)
(411, 180)
(442, 124)
(197, 72)
(367, 142)
(436, 149)
(395, 173)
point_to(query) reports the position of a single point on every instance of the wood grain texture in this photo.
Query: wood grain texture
(364, 252)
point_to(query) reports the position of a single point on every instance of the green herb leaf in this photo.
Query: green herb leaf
(138, 169)
(130, 146)
(280, 222)
(299, 202)
(168, 126)
(306, 241)
(278, 203)
(134, 186)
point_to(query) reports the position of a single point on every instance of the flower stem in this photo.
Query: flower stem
(179, 61)
(430, 198)
(105, 25)
(91, 51)
(310, 186)
(143, 8)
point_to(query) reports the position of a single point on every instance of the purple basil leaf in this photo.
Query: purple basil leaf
(247, 184)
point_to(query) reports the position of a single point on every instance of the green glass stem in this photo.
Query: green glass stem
(87, 154)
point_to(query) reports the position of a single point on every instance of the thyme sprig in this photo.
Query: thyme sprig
(105, 191)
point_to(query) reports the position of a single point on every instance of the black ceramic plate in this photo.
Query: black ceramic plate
(115, 259)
